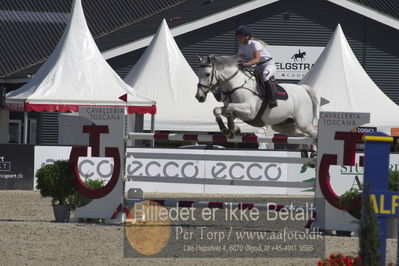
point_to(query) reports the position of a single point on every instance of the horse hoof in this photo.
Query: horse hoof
(311, 164)
(230, 134)
(225, 132)
(304, 154)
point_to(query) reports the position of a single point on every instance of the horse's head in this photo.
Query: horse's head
(206, 77)
(211, 72)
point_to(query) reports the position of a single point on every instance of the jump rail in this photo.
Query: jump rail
(220, 138)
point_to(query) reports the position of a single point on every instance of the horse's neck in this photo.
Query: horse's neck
(239, 79)
(240, 89)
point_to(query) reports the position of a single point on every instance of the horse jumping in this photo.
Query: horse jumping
(238, 91)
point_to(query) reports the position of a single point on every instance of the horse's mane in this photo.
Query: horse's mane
(225, 61)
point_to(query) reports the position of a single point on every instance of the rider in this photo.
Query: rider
(259, 58)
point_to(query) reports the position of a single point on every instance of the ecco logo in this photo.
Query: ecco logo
(239, 171)
(156, 169)
(103, 168)
(88, 168)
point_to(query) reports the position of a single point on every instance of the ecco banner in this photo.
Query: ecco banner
(16, 166)
(211, 171)
(147, 173)
(162, 170)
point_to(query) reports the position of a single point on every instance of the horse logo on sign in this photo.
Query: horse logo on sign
(300, 55)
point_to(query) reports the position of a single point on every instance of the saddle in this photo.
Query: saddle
(262, 87)
(264, 91)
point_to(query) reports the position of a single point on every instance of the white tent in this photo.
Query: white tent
(163, 74)
(76, 74)
(340, 80)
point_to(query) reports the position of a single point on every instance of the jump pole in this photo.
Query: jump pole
(220, 138)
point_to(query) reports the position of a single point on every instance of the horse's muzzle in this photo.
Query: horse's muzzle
(200, 95)
(200, 98)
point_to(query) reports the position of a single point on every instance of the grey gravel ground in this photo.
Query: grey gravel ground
(28, 236)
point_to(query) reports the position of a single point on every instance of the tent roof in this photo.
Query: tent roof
(163, 74)
(338, 77)
(76, 74)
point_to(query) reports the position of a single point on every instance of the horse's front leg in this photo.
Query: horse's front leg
(233, 129)
(231, 111)
(217, 112)
(240, 110)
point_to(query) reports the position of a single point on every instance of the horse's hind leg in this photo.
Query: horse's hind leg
(311, 131)
(308, 129)
(289, 129)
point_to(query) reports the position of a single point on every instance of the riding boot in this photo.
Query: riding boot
(271, 93)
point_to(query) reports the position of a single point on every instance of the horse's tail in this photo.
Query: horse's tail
(315, 102)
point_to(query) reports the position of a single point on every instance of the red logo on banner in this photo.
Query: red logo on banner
(77, 152)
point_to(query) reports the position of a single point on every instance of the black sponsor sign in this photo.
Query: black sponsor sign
(16, 166)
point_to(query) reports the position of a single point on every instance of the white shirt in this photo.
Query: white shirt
(249, 49)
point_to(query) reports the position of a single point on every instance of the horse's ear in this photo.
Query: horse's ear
(237, 57)
(208, 59)
(199, 58)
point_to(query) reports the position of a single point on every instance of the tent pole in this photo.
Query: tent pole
(25, 127)
(152, 128)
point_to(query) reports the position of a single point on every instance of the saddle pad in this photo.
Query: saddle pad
(281, 93)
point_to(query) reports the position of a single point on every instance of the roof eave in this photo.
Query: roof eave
(368, 12)
(187, 27)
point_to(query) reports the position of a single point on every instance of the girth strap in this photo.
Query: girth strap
(257, 121)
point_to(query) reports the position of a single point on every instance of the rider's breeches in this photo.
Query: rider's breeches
(268, 69)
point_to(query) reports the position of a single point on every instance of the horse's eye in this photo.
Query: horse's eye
(207, 74)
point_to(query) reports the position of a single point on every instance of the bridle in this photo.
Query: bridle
(209, 87)
(219, 83)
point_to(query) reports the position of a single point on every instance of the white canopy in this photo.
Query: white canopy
(76, 74)
(163, 74)
(338, 77)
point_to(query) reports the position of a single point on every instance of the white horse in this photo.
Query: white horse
(222, 74)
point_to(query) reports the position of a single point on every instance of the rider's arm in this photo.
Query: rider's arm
(255, 60)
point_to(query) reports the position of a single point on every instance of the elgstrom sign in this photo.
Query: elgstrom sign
(293, 62)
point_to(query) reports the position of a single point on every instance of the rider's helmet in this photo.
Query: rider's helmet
(244, 30)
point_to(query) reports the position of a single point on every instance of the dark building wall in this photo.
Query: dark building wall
(302, 23)
(382, 57)
(287, 22)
